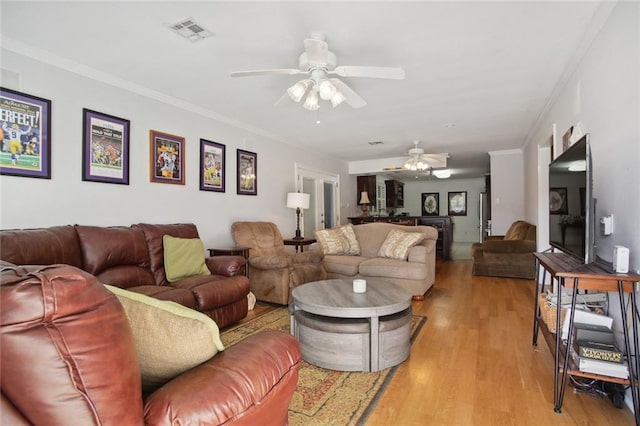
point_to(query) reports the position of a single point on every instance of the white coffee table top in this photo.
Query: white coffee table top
(335, 298)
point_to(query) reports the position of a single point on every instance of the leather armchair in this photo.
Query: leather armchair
(273, 270)
(510, 255)
(69, 357)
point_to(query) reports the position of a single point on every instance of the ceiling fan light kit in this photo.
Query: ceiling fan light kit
(319, 63)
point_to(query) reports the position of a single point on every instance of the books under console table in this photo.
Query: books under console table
(572, 274)
(442, 223)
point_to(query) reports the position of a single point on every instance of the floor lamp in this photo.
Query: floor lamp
(298, 200)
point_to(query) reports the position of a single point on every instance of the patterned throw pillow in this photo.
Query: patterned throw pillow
(398, 243)
(353, 247)
(339, 241)
(331, 241)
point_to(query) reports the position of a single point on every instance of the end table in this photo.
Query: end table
(299, 243)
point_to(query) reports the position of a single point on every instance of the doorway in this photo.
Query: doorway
(323, 190)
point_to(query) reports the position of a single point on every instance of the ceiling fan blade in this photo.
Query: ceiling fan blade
(352, 98)
(284, 71)
(281, 100)
(371, 72)
(435, 160)
(316, 51)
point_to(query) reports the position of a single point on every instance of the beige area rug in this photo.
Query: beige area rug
(324, 397)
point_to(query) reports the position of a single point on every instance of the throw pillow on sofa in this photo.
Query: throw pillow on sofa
(170, 338)
(183, 257)
(338, 241)
(397, 244)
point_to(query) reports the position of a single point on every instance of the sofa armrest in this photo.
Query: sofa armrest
(494, 238)
(251, 382)
(509, 246)
(269, 262)
(228, 266)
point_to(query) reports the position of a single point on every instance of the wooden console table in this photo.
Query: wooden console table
(573, 274)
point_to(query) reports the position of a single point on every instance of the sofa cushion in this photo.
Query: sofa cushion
(116, 255)
(42, 246)
(392, 268)
(183, 257)
(397, 244)
(517, 231)
(339, 241)
(343, 265)
(170, 338)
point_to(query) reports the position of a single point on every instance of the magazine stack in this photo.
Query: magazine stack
(595, 351)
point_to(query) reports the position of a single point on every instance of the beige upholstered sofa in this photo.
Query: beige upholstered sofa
(415, 272)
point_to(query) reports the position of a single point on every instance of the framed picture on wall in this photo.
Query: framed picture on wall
(558, 201)
(247, 169)
(212, 166)
(430, 204)
(166, 158)
(105, 148)
(25, 121)
(457, 203)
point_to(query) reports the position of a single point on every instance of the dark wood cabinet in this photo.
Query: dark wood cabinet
(395, 193)
(366, 183)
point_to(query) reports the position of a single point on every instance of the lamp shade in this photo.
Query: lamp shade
(364, 198)
(297, 200)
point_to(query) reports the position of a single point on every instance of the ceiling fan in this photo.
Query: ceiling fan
(319, 64)
(418, 161)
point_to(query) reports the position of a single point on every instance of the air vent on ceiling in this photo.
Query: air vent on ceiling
(190, 29)
(376, 143)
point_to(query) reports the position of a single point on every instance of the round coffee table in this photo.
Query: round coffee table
(343, 330)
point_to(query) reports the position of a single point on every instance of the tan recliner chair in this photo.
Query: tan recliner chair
(510, 255)
(273, 270)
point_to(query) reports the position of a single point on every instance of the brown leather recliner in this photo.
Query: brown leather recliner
(274, 271)
(510, 255)
(69, 357)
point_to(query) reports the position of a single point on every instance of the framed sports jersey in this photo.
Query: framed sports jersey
(25, 127)
(105, 148)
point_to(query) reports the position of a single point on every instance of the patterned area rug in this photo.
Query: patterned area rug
(324, 397)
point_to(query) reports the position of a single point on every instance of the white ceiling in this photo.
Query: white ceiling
(489, 68)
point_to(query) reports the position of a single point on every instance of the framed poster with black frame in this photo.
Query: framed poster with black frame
(166, 158)
(430, 204)
(457, 203)
(105, 148)
(247, 170)
(26, 135)
(212, 166)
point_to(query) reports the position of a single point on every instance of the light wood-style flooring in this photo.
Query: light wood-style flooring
(473, 363)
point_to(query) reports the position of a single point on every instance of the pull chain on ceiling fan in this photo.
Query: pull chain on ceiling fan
(319, 64)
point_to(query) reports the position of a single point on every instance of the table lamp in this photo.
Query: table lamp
(297, 200)
(364, 202)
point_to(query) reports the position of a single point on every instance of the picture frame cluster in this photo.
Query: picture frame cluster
(25, 150)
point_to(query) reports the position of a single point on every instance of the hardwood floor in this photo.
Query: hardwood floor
(473, 363)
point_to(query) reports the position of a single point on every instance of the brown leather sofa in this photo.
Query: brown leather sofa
(69, 357)
(510, 255)
(131, 257)
(273, 270)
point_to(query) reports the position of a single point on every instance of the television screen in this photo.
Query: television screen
(571, 207)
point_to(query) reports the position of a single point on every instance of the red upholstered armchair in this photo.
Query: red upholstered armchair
(69, 357)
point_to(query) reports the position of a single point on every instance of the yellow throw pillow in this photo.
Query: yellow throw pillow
(398, 243)
(183, 257)
(170, 338)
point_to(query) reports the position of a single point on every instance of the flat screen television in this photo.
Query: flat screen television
(571, 202)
